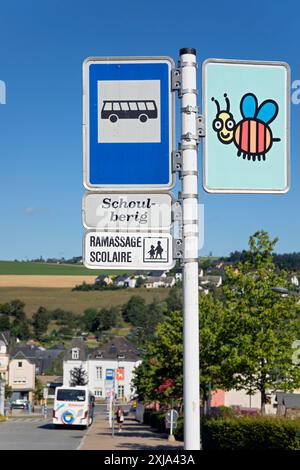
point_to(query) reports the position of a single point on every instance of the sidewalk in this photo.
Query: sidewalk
(134, 436)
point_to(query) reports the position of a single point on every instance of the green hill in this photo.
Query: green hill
(27, 268)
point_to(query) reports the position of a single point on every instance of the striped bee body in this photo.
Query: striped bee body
(253, 138)
(252, 135)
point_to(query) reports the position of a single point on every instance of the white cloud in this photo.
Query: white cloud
(35, 210)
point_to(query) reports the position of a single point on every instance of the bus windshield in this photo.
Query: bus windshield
(70, 395)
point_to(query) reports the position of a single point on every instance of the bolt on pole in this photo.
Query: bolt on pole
(189, 192)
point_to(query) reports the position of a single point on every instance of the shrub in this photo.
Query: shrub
(156, 419)
(237, 433)
(251, 433)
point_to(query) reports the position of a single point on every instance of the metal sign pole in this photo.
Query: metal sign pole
(189, 179)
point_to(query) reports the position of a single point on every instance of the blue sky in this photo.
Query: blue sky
(42, 48)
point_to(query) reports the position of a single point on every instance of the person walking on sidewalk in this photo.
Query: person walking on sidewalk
(120, 418)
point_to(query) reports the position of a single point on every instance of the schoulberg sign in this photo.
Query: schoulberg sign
(128, 137)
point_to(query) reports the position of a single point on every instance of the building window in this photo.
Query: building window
(98, 372)
(75, 354)
(98, 392)
(120, 391)
(19, 364)
(19, 381)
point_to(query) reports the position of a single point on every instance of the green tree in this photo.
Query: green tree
(108, 318)
(15, 308)
(78, 377)
(38, 393)
(174, 299)
(4, 323)
(8, 391)
(139, 282)
(90, 319)
(261, 326)
(162, 361)
(246, 334)
(20, 327)
(40, 322)
(134, 310)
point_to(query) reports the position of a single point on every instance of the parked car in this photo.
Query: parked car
(20, 403)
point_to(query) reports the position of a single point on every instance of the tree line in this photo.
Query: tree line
(286, 261)
(140, 317)
(248, 335)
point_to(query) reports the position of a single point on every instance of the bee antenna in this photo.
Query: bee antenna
(217, 104)
(227, 102)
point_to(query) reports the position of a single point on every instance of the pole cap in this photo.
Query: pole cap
(187, 50)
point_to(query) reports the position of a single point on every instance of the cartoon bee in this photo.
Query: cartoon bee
(252, 135)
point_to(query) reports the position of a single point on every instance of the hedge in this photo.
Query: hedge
(156, 419)
(251, 433)
(238, 433)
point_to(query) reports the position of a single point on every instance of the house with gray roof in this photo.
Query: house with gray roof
(41, 357)
(152, 282)
(109, 367)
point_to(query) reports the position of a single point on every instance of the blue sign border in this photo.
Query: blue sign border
(128, 165)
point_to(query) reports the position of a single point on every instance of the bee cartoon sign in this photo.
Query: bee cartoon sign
(246, 109)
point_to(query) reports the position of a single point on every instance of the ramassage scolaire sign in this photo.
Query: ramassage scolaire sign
(127, 211)
(130, 250)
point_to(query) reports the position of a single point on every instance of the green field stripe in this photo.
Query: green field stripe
(28, 268)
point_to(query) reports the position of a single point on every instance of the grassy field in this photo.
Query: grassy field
(77, 302)
(28, 268)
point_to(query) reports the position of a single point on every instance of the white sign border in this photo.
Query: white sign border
(85, 121)
(288, 139)
(151, 267)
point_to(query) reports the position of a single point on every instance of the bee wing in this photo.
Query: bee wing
(267, 111)
(249, 105)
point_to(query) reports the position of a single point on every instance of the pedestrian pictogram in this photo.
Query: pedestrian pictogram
(156, 249)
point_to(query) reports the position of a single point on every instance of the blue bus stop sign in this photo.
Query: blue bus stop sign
(128, 123)
(246, 105)
(109, 375)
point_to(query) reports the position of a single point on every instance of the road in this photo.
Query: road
(37, 433)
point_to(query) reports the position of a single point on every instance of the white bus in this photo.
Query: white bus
(73, 406)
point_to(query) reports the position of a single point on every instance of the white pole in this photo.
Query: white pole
(189, 192)
(2, 397)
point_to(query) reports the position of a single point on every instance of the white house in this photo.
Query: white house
(153, 282)
(116, 358)
(4, 356)
(21, 377)
(125, 281)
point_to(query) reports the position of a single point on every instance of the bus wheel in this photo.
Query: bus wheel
(143, 118)
(113, 118)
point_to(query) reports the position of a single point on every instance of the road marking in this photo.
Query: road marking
(28, 420)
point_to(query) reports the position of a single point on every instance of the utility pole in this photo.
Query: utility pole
(189, 195)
